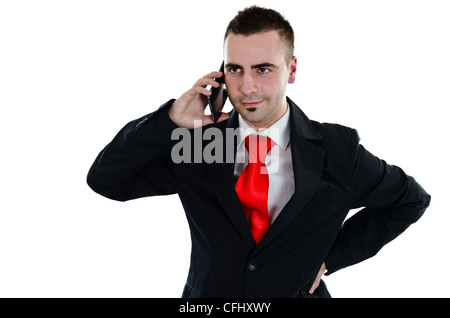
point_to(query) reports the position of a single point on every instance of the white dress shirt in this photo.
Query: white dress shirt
(278, 162)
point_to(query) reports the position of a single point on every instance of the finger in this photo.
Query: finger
(223, 116)
(207, 119)
(202, 90)
(214, 75)
(205, 81)
(315, 285)
(211, 76)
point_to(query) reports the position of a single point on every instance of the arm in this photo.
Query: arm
(392, 201)
(136, 163)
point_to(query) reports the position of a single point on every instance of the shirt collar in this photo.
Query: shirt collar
(279, 132)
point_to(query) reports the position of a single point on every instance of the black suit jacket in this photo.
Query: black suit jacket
(333, 174)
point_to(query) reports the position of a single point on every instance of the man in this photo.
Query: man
(263, 224)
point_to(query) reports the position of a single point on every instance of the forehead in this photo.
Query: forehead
(256, 48)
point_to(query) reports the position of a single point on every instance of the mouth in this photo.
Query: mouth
(251, 104)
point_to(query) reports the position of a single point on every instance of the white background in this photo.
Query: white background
(72, 73)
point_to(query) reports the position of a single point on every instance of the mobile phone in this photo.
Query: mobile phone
(218, 96)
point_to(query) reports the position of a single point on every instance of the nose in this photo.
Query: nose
(248, 86)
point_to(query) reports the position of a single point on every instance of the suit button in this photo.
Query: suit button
(252, 265)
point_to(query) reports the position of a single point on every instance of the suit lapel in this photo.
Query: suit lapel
(221, 176)
(307, 159)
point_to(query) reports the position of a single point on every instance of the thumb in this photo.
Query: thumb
(207, 119)
(223, 116)
(316, 283)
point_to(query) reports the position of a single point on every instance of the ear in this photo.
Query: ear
(292, 70)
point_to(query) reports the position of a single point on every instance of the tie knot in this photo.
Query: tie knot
(258, 147)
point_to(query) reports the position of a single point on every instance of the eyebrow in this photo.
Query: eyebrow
(256, 66)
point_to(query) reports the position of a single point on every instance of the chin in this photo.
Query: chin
(252, 117)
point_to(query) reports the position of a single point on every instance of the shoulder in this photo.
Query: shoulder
(336, 136)
(341, 145)
(330, 134)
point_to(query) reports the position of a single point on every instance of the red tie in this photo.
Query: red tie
(253, 185)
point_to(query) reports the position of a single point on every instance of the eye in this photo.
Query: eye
(263, 70)
(235, 70)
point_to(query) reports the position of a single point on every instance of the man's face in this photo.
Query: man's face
(256, 76)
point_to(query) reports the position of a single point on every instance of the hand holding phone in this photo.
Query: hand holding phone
(218, 96)
(189, 108)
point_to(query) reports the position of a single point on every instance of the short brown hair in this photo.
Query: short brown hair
(256, 19)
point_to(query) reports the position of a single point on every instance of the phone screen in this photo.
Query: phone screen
(218, 96)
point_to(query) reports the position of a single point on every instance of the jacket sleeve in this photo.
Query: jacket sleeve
(136, 163)
(392, 201)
